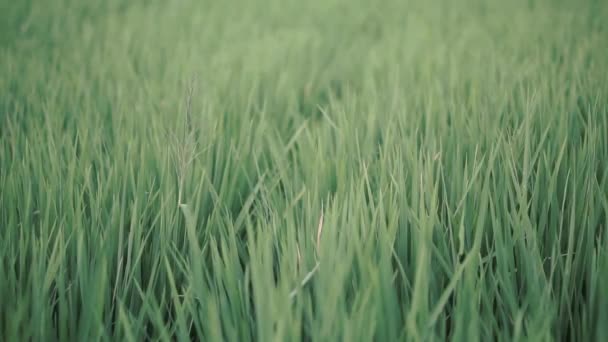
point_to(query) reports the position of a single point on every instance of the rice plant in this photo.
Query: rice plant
(392, 170)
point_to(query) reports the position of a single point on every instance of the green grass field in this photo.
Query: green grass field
(317, 170)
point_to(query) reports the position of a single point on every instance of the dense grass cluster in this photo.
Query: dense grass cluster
(304, 170)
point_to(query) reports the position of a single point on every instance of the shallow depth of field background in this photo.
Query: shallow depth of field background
(322, 170)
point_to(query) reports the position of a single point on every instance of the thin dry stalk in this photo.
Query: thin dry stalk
(298, 257)
(320, 229)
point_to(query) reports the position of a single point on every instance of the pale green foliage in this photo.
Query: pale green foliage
(450, 155)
